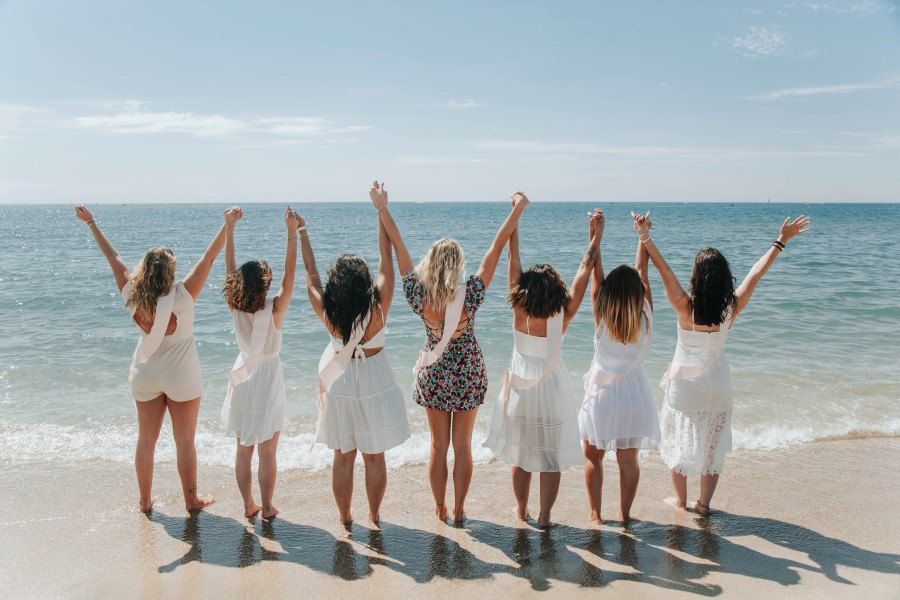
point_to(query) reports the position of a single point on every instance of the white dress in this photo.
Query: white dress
(696, 412)
(537, 428)
(618, 410)
(364, 408)
(254, 409)
(174, 368)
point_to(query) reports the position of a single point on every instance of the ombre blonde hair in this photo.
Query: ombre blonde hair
(620, 304)
(440, 272)
(153, 278)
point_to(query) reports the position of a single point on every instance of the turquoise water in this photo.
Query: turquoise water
(816, 353)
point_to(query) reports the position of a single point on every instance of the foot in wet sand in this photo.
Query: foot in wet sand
(346, 520)
(270, 513)
(595, 518)
(441, 511)
(701, 509)
(521, 514)
(199, 503)
(459, 517)
(146, 507)
(375, 518)
(675, 503)
(251, 509)
(544, 520)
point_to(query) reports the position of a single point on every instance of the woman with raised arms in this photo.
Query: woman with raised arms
(255, 402)
(696, 412)
(450, 375)
(360, 405)
(165, 369)
(535, 422)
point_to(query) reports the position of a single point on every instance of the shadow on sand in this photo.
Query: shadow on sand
(668, 556)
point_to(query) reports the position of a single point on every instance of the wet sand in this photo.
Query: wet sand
(815, 521)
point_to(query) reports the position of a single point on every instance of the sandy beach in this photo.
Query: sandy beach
(814, 521)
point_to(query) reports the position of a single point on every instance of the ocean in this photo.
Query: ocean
(815, 355)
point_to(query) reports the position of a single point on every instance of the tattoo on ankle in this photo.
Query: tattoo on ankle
(590, 257)
(192, 491)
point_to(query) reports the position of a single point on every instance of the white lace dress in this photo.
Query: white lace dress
(618, 410)
(696, 412)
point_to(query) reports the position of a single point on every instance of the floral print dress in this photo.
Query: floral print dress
(457, 381)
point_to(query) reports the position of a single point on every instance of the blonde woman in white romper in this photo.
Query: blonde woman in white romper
(696, 413)
(254, 406)
(165, 369)
(361, 408)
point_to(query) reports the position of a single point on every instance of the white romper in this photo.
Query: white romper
(174, 368)
(618, 410)
(254, 409)
(696, 412)
(364, 408)
(536, 428)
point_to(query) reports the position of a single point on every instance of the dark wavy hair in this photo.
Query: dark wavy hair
(246, 287)
(541, 292)
(712, 288)
(349, 293)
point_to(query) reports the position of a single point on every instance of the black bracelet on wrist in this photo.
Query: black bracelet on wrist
(778, 244)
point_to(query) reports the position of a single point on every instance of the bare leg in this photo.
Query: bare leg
(268, 473)
(549, 491)
(708, 485)
(521, 482)
(342, 483)
(439, 423)
(462, 426)
(679, 485)
(150, 419)
(376, 483)
(243, 474)
(629, 476)
(593, 479)
(184, 426)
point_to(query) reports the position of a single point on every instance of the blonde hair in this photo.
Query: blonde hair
(153, 278)
(620, 304)
(440, 272)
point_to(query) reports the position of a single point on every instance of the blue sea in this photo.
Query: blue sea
(815, 355)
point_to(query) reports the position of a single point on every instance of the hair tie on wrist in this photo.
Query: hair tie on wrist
(301, 228)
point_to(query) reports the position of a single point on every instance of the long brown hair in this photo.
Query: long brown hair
(620, 304)
(246, 287)
(152, 279)
(541, 292)
(712, 288)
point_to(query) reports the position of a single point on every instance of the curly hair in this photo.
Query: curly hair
(620, 304)
(246, 287)
(540, 292)
(152, 279)
(440, 272)
(349, 293)
(712, 288)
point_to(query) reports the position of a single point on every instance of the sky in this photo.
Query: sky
(125, 101)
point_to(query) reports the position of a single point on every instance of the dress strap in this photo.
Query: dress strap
(452, 315)
(527, 325)
(151, 341)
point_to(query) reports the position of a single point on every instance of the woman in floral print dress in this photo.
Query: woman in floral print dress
(451, 380)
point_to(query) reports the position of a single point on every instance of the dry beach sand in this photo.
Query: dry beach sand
(813, 521)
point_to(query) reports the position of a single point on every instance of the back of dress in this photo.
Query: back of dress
(699, 378)
(614, 357)
(243, 330)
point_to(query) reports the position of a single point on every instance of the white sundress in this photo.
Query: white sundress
(536, 428)
(618, 410)
(696, 412)
(254, 408)
(364, 408)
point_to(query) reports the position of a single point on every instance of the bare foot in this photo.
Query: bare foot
(441, 511)
(251, 509)
(623, 518)
(521, 515)
(675, 503)
(544, 520)
(199, 503)
(375, 519)
(269, 513)
(459, 517)
(701, 509)
(145, 508)
(346, 520)
(595, 518)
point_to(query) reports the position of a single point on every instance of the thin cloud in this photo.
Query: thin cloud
(858, 7)
(759, 41)
(458, 104)
(830, 90)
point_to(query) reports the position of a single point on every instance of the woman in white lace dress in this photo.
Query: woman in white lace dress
(254, 406)
(696, 413)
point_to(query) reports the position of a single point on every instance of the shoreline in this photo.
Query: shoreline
(784, 521)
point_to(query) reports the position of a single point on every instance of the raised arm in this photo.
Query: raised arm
(514, 272)
(313, 280)
(232, 216)
(196, 279)
(282, 300)
(676, 295)
(118, 266)
(489, 263)
(591, 256)
(748, 286)
(599, 277)
(379, 198)
(385, 282)
(641, 263)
